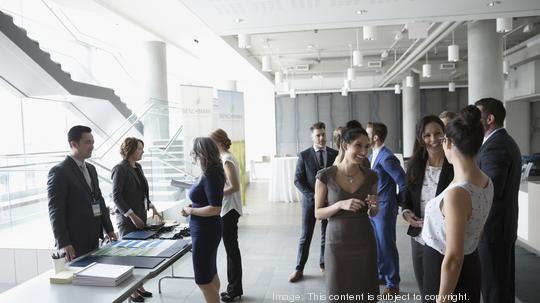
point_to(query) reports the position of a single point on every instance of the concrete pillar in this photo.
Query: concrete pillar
(156, 121)
(484, 46)
(411, 113)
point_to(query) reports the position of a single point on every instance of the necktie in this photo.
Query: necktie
(321, 159)
(86, 175)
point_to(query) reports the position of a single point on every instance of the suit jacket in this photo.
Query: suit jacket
(500, 159)
(306, 171)
(390, 173)
(70, 207)
(129, 191)
(413, 193)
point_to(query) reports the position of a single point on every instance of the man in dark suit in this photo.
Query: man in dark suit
(77, 209)
(310, 161)
(389, 173)
(500, 159)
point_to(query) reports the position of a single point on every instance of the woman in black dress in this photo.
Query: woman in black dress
(206, 196)
(131, 195)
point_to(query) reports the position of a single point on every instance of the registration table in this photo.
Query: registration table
(281, 186)
(39, 289)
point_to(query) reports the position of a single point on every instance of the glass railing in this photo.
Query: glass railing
(23, 177)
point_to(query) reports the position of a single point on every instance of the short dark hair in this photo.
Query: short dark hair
(75, 133)
(318, 125)
(466, 131)
(352, 131)
(129, 146)
(492, 106)
(379, 129)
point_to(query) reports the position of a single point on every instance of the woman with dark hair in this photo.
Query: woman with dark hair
(346, 194)
(131, 195)
(206, 196)
(428, 174)
(231, 210)
(455, 218)
(337, 140)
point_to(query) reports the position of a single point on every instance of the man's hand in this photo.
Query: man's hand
(186, 211)
(112, 236)
(413, 220)
(69, 250)
(139, 224)
(156, 215)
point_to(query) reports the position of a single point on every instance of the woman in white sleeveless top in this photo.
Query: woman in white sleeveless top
(455, 218)
(231, 210)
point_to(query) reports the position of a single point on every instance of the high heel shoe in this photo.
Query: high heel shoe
(144, 293)
(227, 297)
(138, 298)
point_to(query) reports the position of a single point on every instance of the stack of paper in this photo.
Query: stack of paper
(64, 277)
(98, 274)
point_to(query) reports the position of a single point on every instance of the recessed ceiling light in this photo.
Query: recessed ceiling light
(361, 12)
(238, 20)
(493, 3)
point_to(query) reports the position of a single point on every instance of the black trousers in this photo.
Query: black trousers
(308, 226)
(234, 260)
(417, 251)
(498, 270)
(469, 281)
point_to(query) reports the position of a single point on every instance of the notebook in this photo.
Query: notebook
(139, 235)
(98, 274)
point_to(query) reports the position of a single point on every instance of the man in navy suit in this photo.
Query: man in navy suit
(390, 173)
(310, 161)
(500, 159)
(77, 209)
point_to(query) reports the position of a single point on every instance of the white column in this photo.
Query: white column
(156, 121)
(484, 46)
(411, 113)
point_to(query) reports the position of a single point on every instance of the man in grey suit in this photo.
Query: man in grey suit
(310, 161)
(77, 209)
(500, 159)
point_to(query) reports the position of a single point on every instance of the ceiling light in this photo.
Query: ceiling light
(310, 46)
(398, 36)
(244, 41)
(493, 3)
(350, 74)
(451, 87)
(278, 76)
(384, 54)
(238, 20)
(505, 67)
(426, 69)
(292, 93)
(358, 58)
(528, 28)
(361, 12)
(504, 25)
(409, 81)
(266, 64)
(453, 51)
(344, 91)
(369, 32)
(397, 89)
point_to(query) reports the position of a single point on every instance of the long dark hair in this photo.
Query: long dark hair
(417, 163)
(206, 152)
(466, 131)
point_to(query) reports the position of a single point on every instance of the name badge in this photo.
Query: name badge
(96, 209)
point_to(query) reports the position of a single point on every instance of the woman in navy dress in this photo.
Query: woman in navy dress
(205, 223)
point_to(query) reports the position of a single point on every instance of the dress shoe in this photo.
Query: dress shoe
(390, 291)
(296, 276)
(138, 298)
(144, 293)
(229, 297)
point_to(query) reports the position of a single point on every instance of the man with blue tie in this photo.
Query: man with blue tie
(390, 173)
(310, 161)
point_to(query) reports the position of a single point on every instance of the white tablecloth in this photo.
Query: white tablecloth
(281, 186)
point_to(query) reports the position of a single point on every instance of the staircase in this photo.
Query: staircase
(161, 167)
(31, 71)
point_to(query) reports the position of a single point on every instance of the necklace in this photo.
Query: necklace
(350, 178)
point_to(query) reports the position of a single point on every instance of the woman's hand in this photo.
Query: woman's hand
(186, 211)
(372, 201)
(139, 224)
(412, 219)
(352, 204)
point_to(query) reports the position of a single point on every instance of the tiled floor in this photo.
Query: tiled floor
(269, 233)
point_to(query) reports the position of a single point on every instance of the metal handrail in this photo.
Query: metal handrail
(173, 138)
